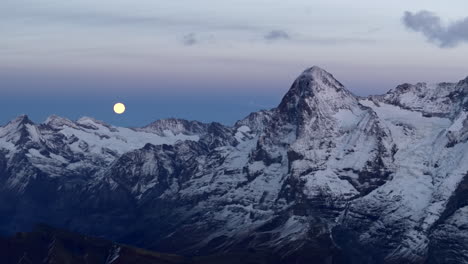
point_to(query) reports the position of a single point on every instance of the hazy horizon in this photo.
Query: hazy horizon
(221, 61)
(208, 107)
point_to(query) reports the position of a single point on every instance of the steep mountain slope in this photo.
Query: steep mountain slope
(325, 177)
(431, 158)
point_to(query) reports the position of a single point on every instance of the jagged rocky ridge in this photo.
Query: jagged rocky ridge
(326, 177)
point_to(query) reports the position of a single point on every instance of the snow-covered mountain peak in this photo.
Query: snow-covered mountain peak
(319, 75)
(316, 93)
(16, 125)
(464, 81)
(463, 90)
(91, 123)
(315, 70)
(176, 126)
(55, 121)
(18, 121)
(18, 131)
(437, 99)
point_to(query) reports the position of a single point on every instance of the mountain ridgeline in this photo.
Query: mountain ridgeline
(326, 177)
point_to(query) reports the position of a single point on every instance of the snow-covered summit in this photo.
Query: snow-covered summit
(61, 146)
(176, 126)
(19, 120)
(55, 121)
(18, 131)
(316, 91)
(432, 99)
(320, 75)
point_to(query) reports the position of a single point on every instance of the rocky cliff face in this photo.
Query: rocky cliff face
(324, 177)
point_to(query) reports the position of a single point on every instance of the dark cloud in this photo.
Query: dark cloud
(189, 39)
(430, 25)
(277, 35)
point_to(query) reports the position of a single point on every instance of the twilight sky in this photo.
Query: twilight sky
(214, 60)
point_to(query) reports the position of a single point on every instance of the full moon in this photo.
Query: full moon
(119, 108)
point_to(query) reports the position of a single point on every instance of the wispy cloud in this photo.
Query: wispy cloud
(109, 19)
(430, 25)
(372, 30)
(189, 39)
(276, 35)
(338, 40)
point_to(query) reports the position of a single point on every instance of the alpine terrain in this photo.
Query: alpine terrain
(325, 177)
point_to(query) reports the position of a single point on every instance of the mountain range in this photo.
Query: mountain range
(325, 177)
